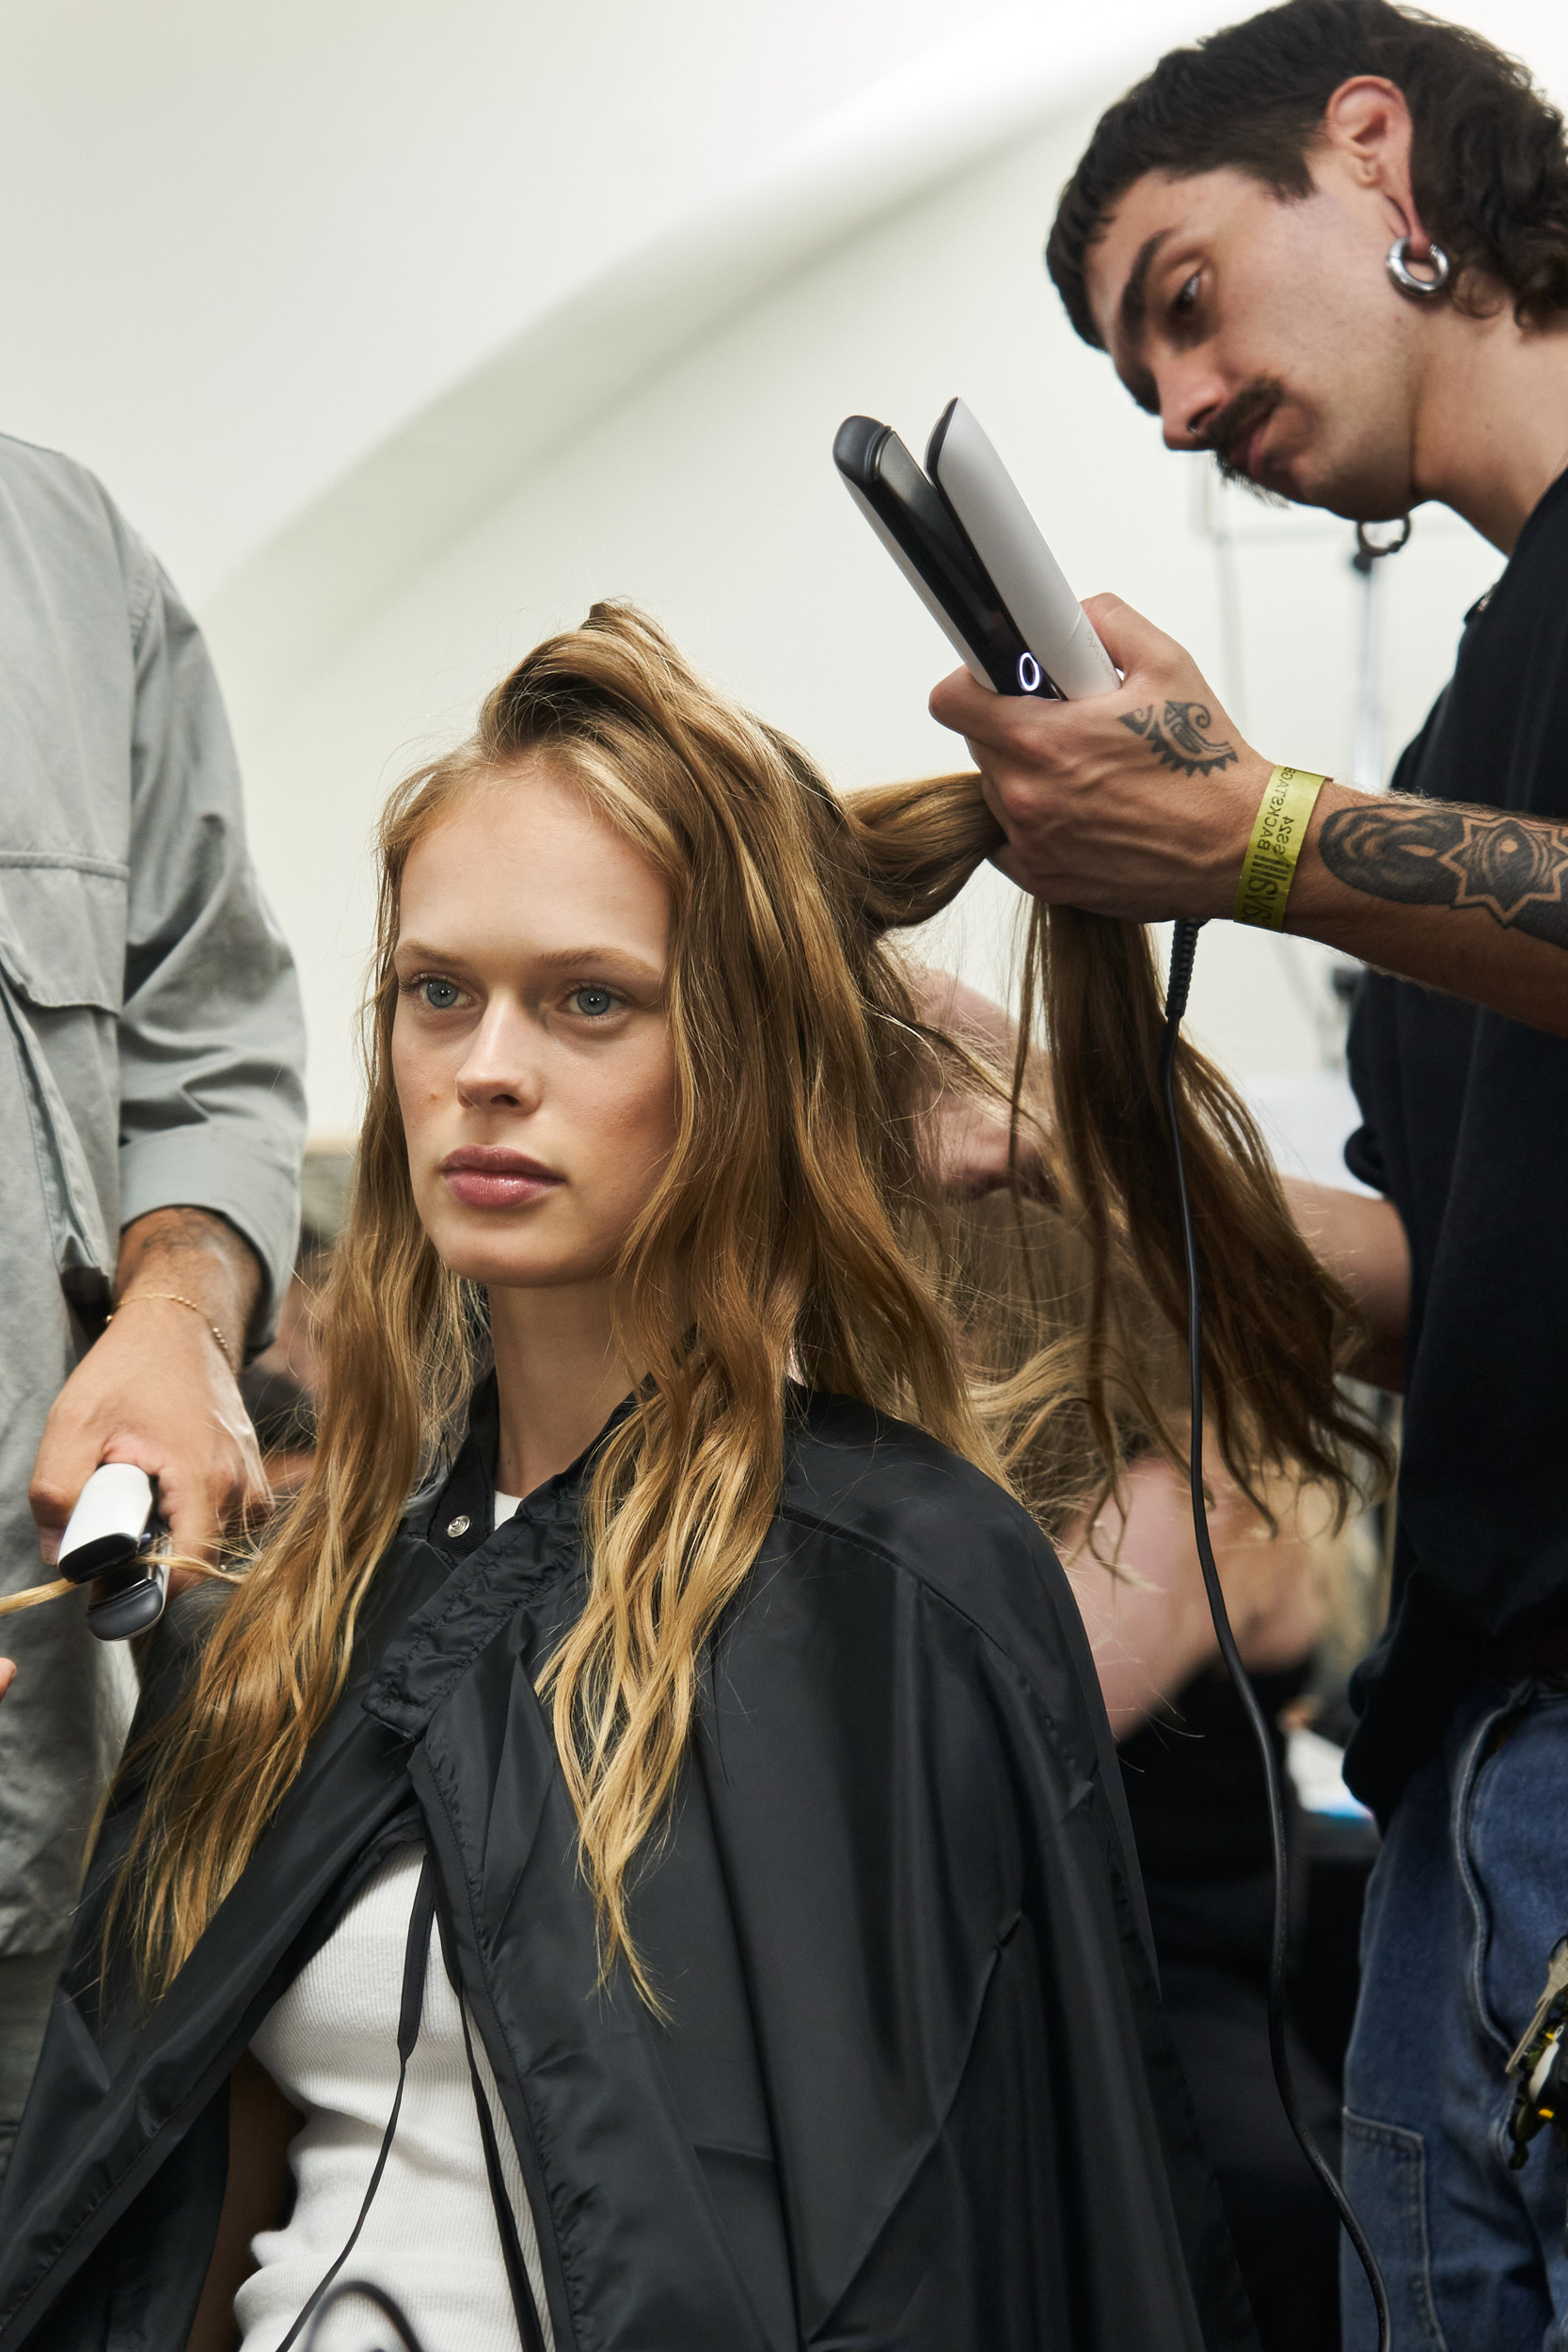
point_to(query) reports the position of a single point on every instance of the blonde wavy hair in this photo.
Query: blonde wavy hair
(794, 1236)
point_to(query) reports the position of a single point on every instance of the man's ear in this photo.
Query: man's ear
(1366, 129)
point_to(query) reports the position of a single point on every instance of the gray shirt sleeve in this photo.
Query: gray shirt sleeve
(211, 1034)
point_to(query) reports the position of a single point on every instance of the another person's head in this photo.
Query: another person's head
(1225, 237)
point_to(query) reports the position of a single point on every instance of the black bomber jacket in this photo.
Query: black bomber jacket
(913, 2088)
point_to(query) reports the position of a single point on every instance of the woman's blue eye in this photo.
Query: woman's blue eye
(594, 1002)
(440, 996)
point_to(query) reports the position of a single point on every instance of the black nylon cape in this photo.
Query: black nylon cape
(914, 2091)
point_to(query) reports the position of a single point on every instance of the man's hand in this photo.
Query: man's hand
(158, 1388)
(1141, 803)
(1138, 803)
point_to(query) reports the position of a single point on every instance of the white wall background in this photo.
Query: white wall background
(405, 330)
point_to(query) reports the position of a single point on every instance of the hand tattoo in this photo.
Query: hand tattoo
(1176, 737)
(1438, 854)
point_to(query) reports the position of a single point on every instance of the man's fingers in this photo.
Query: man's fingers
(249, 1498)
(237, 1495)
(1001, 727)
(1007, 861)
(1003, 857)
(1082, 788)
(66, 1460)
(256, 1502)
(194, 1527)
(1132, 641)
(997, 722)
(197, 1523)
(958, 702)
(988, 792)
(8, 1675)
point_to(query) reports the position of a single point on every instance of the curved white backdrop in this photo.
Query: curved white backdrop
(406, 331)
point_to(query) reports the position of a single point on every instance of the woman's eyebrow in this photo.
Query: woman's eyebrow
(548, 959)
(568, 958)
(416, 950)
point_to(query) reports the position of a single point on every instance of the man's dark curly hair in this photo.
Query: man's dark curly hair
(1488, 169)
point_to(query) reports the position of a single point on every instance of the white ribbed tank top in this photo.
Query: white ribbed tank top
(430, 2238)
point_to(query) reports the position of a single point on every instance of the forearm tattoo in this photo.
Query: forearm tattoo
(1437, 854)
(1179, 738)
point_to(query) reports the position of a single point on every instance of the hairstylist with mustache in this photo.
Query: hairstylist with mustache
(1331, 245)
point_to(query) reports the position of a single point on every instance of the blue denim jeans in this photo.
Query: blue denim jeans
(1468, 1897)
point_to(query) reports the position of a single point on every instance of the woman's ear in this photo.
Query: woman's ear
(1368, 130)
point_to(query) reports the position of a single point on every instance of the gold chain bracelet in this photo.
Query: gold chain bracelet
(174, 1299)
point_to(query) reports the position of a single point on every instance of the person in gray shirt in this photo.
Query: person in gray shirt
(151, 1123)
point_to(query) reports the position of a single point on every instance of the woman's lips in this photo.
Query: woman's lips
(496, 1180)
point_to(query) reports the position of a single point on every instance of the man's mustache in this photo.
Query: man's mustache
(1235, 421)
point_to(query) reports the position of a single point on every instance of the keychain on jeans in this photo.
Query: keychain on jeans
(1542, 2068)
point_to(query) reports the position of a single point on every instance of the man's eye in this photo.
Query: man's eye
(593, 1002)
(1186, 299)
(440, 996)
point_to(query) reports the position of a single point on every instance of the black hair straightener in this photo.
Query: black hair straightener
(112, 1541)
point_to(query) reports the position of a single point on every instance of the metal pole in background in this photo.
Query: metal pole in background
(1322, 1018)
(1367, 772)
(1326, 1009)
(1367, 744)
(1367, 752)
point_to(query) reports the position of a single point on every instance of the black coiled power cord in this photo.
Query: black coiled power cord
(1183, 949)
(390, 2310)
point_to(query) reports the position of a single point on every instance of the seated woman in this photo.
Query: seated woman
(1194, 1781)
(668, 1884)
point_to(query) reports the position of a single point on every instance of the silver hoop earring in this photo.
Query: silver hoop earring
(1369, 550)
(1396, 262)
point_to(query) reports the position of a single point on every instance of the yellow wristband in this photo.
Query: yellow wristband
(1269, 867)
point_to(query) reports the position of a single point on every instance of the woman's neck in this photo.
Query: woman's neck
(559, 1376)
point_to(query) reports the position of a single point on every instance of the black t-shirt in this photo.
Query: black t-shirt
(1466, 1132)
(1199, 1806)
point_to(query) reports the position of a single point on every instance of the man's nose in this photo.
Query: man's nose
(1192, 393)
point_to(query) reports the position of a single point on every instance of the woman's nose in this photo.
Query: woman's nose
(502, 1070)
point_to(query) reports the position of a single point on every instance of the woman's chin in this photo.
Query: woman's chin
(497, 1263)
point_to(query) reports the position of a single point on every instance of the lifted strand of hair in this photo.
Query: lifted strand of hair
(1277, 1329)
